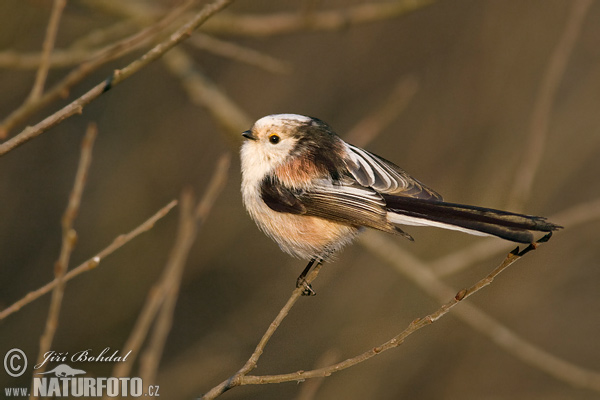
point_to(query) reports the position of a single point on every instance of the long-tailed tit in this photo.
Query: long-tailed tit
(312, 193)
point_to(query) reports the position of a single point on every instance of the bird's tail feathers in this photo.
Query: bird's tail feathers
(471, 219)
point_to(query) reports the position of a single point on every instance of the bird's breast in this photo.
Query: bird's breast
(301, 236)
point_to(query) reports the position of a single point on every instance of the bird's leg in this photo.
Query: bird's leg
(301, 281)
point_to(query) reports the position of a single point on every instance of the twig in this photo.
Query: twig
(200, 90)
(409, 265)
(486, 247)
(237, 378)
(117, 77)
(42, 72)
(84, 49)
(144, 12)
(393, 342)
(165, 293)
(463, 258)
(293, 22)
(104, 35)
(111, 52)
(188, 226)
(239, 53)
(508, 340)
(540, 119)
(59, 58)
(69, 238)
(578, 214)
(309, 389)
(102, 56)
(92, 262)
(203, 92)
(384, 114)
(190, 222)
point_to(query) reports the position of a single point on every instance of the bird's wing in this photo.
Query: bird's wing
(384, 176)
(343, 201)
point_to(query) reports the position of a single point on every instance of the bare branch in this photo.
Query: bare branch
(384, 114)
(482, 249)
(486, 247)
(205, 93)
(100, 57)
(164, 293)
(117, 77)
(309, 389)
(390, 344)
(540, 119)
(59, 58)
(237, 379)
(42, 72)
(239, 53)
(144, 13)
(81, 50)
(199, 88)
(91, 263)
(291, 22)
(190, 222)
(101, 36)
(508, 340)
(69, 238)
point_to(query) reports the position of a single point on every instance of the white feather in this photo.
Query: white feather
(390, 179)
(406, 220)
(281, 119)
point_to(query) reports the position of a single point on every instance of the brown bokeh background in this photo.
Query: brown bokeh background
(478, 67)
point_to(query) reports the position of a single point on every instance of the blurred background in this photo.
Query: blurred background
(449, 91)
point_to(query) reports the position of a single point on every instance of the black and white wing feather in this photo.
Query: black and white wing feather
(343, 201)
(409, 202)
(384, 176)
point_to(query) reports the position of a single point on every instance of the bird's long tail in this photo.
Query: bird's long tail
(471, 219)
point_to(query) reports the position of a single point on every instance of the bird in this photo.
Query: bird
(313, 193)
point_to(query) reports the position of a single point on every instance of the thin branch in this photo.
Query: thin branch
(292, 22)
(393, 342)
(104, 35)
(239, 53)
(237, 378)
(203, 92)
(540, 119)
(168, 290)
(99, 58)
(310, 388)
(76, 107)
(168, 283)
(59, 58)
(199, 88)
(482, 249)
(143, 13)
(384, 114)
(91, 263)
(87, 48)
(111, 52)
(69, 238)
(42, 72)
(486, 247)
(190, 222)
(82, 50)
(421, 274)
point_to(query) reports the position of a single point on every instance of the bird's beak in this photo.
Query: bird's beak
(249, 135)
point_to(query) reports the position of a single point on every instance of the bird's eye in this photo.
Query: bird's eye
(274, 139)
